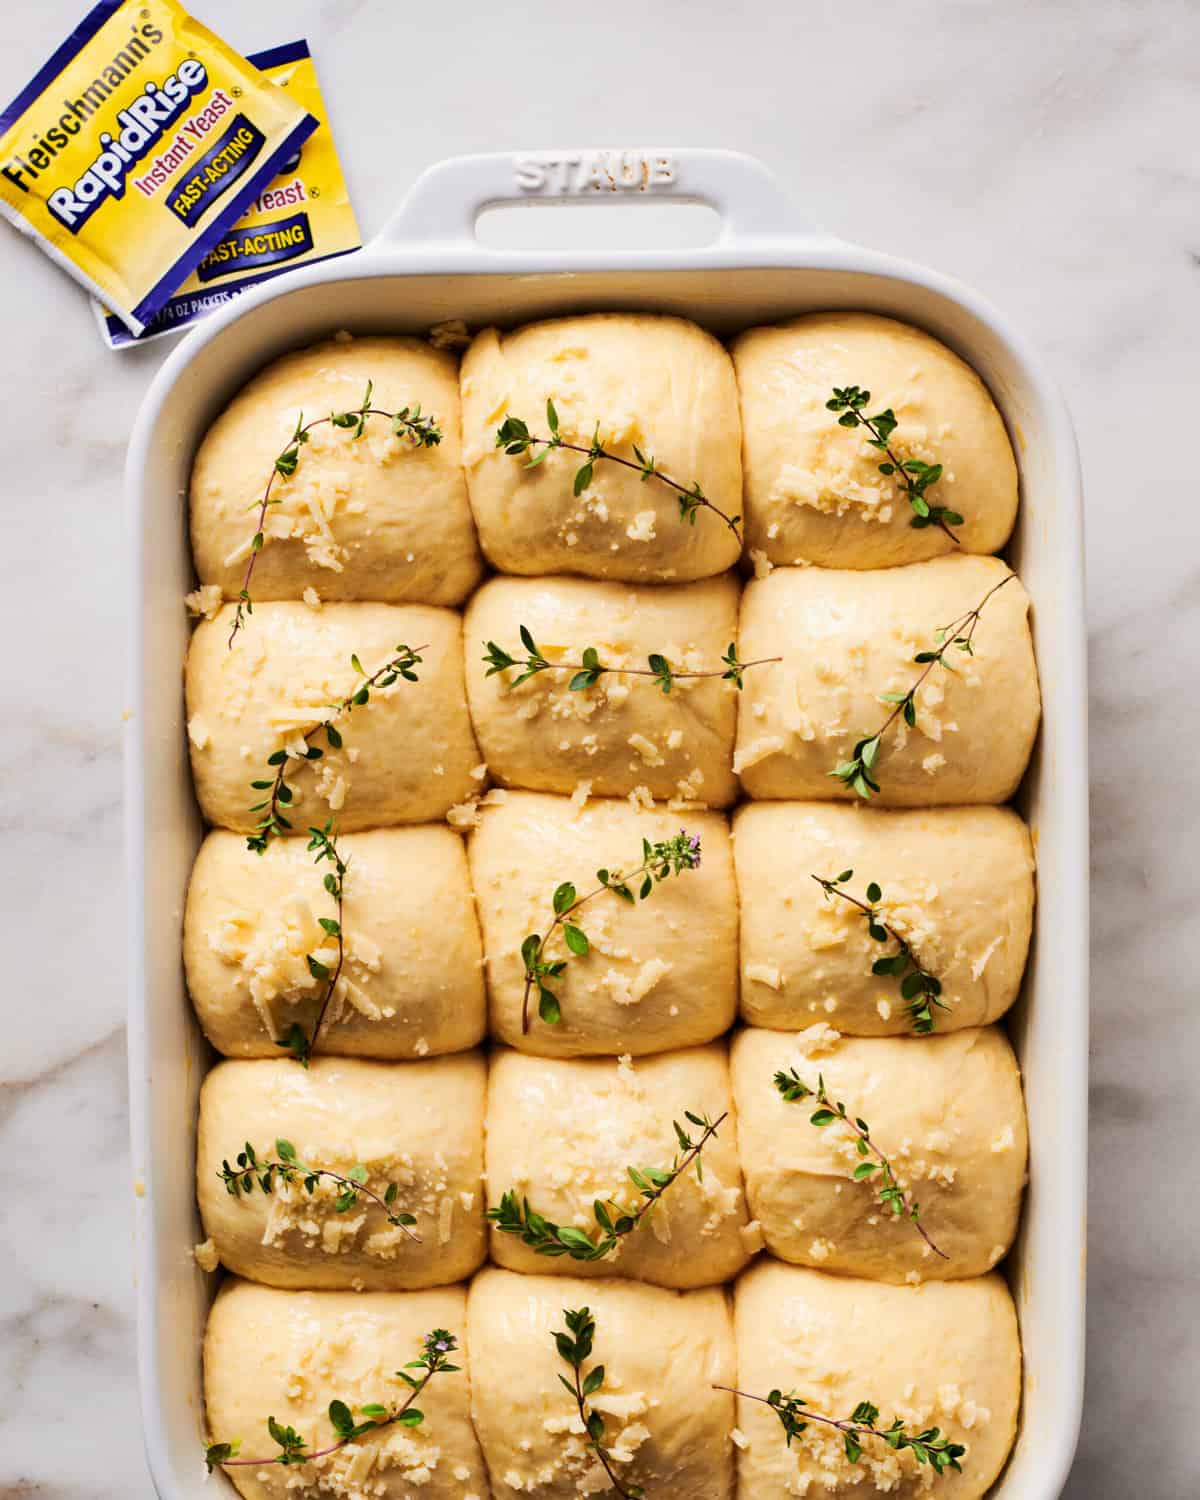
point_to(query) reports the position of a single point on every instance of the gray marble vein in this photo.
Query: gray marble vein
(1044, 153)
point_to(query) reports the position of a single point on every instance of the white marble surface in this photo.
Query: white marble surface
(1042, 152)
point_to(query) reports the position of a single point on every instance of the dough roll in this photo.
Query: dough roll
(660, 973)
(270, 1353)
(609, 1116)
(658, 383)
(624, 731)
(667, 1429)
(846, 638)
(814, 493)
(957, 884)
(412, 977)
(943, 1354)
(373, 517)
(419, 1125)
(948, 1114)
(407, 754)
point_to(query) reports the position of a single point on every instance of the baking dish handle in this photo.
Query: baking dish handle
(444, 203)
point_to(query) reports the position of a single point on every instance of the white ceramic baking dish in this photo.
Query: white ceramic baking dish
(426, 266)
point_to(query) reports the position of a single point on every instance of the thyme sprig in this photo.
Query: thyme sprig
(575, 1347)
(913, 475)
(927, 1447)
(436, 1349)
(659, 860)
(920, 989)
(274, 822)
(515, 437)
(420, 431)
(286, 1167)
(614, 1219)
(324, 842)
(588, 671)
(960, 633)
(874, 1167)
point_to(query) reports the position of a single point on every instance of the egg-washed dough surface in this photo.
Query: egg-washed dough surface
(624, 732)
(957, 883)
(946, 1111)
(411, 983)
(373, 517)
(287, 1354)
(814, 493)
(660, 383)
(661, 973)
(662, 1352)
(418, 1124)
(407, 755)
(943, 1354)
(846, 638)
(606, 1116)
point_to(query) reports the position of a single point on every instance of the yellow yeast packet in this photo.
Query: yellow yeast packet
(302, 215)
(136, 146)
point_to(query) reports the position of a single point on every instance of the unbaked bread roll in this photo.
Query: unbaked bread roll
(609, 1116)
(625, 731)
(411, 983)
(666, 1427)
(416, 1124)
(943, 1354)
(407, 754)
(814, 493)
(846, 638)
(659, 383)
(956, 882)
(373, 517)
(287, 1355)
(948, 1114)
(661, 973)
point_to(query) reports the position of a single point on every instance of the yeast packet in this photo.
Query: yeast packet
(133, 150)
(302, 215)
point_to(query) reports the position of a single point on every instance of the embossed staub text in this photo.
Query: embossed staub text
(569, 173)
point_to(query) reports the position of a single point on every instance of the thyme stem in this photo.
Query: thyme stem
(856, 772)
(590, 669)
(515, 437)
(913, 474)
(437, 1346)
(891, 1195)
(616, 1220)
(668, 857)
(422, 432)
(927, 1447)
(251, 1172)
(921, 989)
(575, 1347)
(273, 820)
